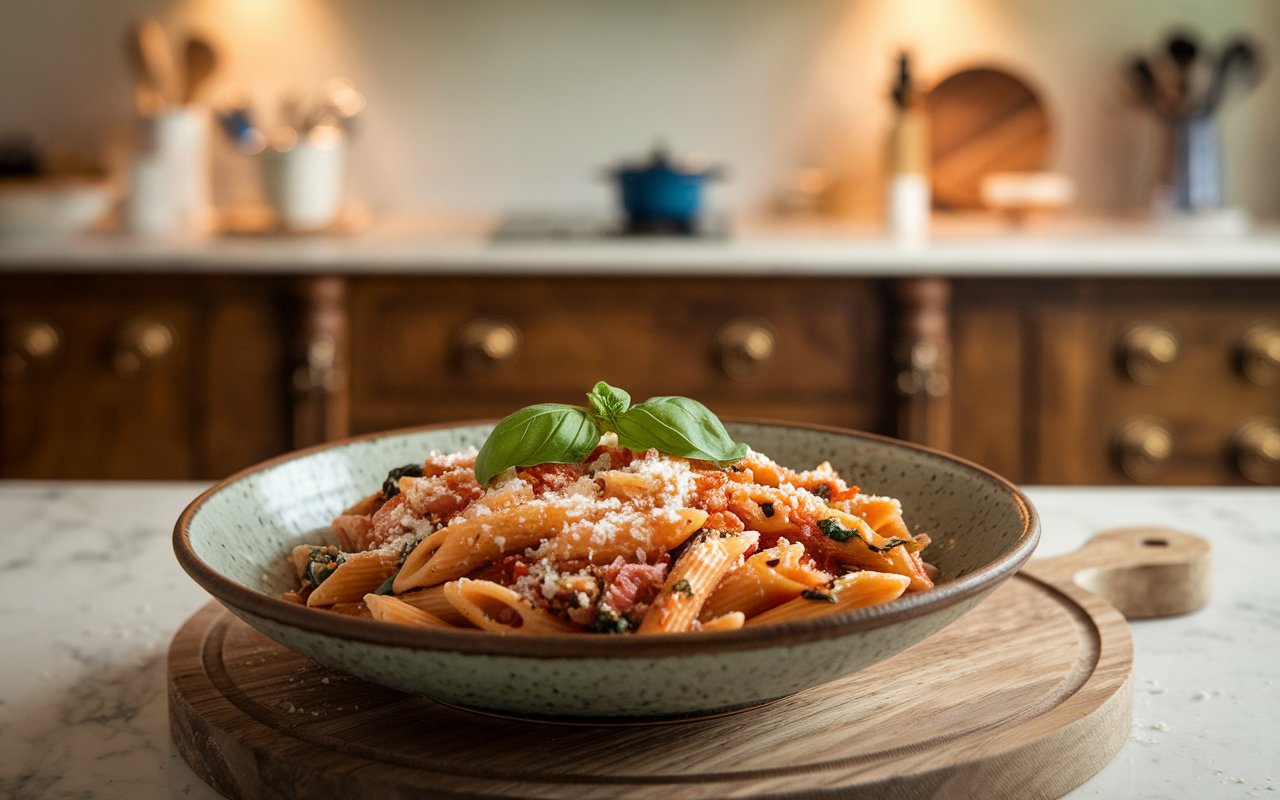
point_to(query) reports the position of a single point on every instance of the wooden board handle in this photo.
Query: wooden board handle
(1143, 572)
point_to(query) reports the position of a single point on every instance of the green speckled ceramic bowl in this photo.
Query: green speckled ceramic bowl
(233, 540)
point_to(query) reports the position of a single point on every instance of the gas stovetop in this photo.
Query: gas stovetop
(585, 227)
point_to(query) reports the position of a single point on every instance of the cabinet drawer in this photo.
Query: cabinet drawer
(430, 350)
(127, 376)
(1155, 394)
(103, 400)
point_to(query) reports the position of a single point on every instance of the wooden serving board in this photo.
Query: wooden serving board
(1027, 695)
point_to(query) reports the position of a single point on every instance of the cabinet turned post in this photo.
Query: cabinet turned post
(922, 360)
(321, 390)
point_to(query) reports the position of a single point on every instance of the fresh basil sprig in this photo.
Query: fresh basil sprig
(554, 433)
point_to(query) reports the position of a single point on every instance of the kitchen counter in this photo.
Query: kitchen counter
(91, 596)
(816, 248)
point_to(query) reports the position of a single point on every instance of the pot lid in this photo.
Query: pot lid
(661, 160)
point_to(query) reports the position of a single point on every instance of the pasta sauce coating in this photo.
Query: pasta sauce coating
(622, 542)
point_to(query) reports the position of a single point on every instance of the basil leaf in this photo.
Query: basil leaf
(608, 401)
(678, 426)
(548, 433)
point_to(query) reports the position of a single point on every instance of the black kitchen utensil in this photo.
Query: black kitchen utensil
(1183, 49)
(1238, 63)
(903, 94)
(1148, 88)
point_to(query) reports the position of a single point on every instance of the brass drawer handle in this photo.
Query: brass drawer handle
(1260, 355)
(1256, 447)
(1141, 447)
(139, 343)
(743, 346)
(1146, 350)
(320, 370)
(486, 342)
(923, 374)
(29, 345)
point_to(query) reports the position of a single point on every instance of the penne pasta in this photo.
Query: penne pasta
(883, 514)
(621, 542)
(763, 508)
(626, 485)
(509, 494)
(852, 591)
(358, 575)
(493, 607)
(659, 531)
(460, 548)
(386, 608)
(700, 568)
(725, 622)
(855, 552)
(416, 561)
(433, 601)
(766, 579)
(351, 610)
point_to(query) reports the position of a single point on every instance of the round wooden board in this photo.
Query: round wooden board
(1027, 695)
(982, 121)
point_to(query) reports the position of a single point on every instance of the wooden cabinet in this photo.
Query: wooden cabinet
(1084, 381)
(1101, 382)
(427, 350)
(140, 376)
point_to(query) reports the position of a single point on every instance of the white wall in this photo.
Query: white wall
(480, 105)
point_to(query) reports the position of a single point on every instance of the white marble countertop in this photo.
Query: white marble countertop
(974, 248)
(91, 595)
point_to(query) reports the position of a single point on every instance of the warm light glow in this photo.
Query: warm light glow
(269, 49)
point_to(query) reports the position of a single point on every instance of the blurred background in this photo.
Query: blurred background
(1038, 234)
(480, 107)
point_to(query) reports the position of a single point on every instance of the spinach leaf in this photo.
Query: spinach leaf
(834, 530)
(391, 486)
(609, 621)
(385, 588)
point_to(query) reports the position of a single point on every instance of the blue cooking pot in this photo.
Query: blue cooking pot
(661, 192)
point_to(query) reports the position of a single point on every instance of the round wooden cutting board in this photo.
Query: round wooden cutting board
(982, 121)
(1027, 695)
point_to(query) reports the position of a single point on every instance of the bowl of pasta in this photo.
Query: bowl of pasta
(612, 580)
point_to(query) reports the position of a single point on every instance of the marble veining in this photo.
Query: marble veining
(91, 595)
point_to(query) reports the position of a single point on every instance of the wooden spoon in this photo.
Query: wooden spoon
(199, 62)
(147, 96)
(158, 58)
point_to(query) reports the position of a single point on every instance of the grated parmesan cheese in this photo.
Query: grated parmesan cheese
(672, 479)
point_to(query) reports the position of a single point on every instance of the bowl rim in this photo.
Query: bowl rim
(237, 597)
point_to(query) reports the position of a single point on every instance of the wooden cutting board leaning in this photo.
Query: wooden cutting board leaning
(982, 122)
(1027, 695)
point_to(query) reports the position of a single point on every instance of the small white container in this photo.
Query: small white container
(304, 184)
(151, 208)
(170, 175)
(909, 207)
(909, 202)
